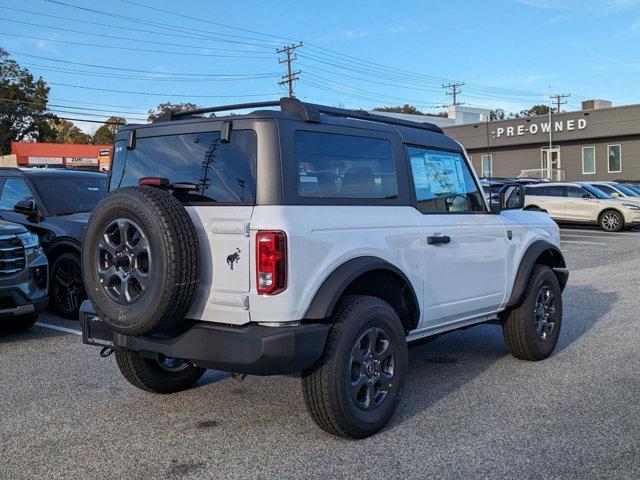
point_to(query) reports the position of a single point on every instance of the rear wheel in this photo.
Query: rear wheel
(164, 375)
(355, 387)
(611, 221)
(18, 324)
(66, 286)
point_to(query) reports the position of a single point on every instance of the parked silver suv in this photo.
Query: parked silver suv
(582, 203)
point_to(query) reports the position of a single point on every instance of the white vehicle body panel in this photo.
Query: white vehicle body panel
(466, 281)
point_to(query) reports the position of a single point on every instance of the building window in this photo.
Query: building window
(486, 166)
(588, 160)
(614, 155)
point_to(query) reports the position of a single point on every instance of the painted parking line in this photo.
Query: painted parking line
(596, 232)
(60, 329)
(586, 236)
(583, 242)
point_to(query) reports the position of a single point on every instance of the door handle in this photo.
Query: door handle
(439, 239)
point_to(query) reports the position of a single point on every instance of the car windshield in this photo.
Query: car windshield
(70, 194)
(634, 188)
(595, 192)
(626, 190)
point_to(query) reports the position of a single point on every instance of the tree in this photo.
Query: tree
(497, 114)
(67, 132)
(166, 107)
(106, 134)
(406, 108)
(23, 105)
(536, 110)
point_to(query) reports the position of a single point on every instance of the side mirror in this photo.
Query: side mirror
(27, 206)
(615, 195)
(587, 196)
(511, 197)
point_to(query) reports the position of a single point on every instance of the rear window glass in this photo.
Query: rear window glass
(221, 172)
(81, 194)
(344, 166)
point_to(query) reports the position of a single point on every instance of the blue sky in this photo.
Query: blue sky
(511, 53)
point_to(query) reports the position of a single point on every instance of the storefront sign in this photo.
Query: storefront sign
(45, 160)
(540, 128)
(81, 162)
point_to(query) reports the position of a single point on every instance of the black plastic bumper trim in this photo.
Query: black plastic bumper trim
(251, 349)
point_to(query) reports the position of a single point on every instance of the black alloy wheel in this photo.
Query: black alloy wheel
(66, 289)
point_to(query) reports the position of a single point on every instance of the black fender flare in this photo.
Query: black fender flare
(529, 260)
(336, 283)
(64, 244)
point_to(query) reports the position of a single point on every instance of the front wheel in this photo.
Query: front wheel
(355, 387)
(165, 375)
(66, 286)
(611, 221)
(531, 330)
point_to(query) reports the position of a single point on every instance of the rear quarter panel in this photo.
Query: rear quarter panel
(321, 238)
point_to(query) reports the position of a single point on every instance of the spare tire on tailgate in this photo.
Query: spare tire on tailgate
(140, 260)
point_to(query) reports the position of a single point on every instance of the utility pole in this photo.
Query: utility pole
(558, 99)
(454, 92)
(290, 76)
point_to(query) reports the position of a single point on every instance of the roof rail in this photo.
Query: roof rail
(168, 116)
(309, 112)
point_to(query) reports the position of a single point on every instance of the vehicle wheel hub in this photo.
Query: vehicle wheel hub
(544, 312)
(124, 261)
(372, 368)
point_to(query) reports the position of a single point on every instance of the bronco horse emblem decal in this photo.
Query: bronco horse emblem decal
(233, 258)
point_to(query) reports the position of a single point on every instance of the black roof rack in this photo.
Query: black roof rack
(309, 112)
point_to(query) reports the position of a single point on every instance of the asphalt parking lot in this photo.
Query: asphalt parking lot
(470, 410)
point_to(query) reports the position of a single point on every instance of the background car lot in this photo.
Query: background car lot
(470, 409)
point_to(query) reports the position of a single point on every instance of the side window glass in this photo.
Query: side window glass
(556, 191)
(344, 166)
(443, 182)
(14, 190)
(575, 192)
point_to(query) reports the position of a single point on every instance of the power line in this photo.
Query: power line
(157, 72)
(133, 29)
(290, 76)
(105, 35)
(162, 94)
(131, 49)
(157, 78)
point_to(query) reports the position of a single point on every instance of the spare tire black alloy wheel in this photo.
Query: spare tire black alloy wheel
(124, 261)
(141, 260)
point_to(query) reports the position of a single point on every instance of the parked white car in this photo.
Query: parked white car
(582, 203)
(311, 239)
(616, 190)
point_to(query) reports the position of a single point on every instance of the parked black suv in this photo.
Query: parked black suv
(55, 204)
(23, 277)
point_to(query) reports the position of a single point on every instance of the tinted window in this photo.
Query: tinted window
(220, 172)
(14, 190)
(80, 193)
(342, 166)
(606, 189)
(443, 182)
(576, 192)
(596, 192)
(626, 190)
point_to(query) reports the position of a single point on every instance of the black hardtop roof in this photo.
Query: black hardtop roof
(49, 172)
(294, 110)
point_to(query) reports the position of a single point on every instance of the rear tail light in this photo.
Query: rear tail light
(271, 262)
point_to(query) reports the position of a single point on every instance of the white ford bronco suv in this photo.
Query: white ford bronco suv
(307, 239)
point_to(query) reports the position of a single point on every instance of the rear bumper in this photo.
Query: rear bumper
(250, 349)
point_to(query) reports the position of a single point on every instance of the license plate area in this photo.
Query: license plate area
(95, 331)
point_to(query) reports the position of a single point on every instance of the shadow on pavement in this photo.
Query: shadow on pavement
(438, 369)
